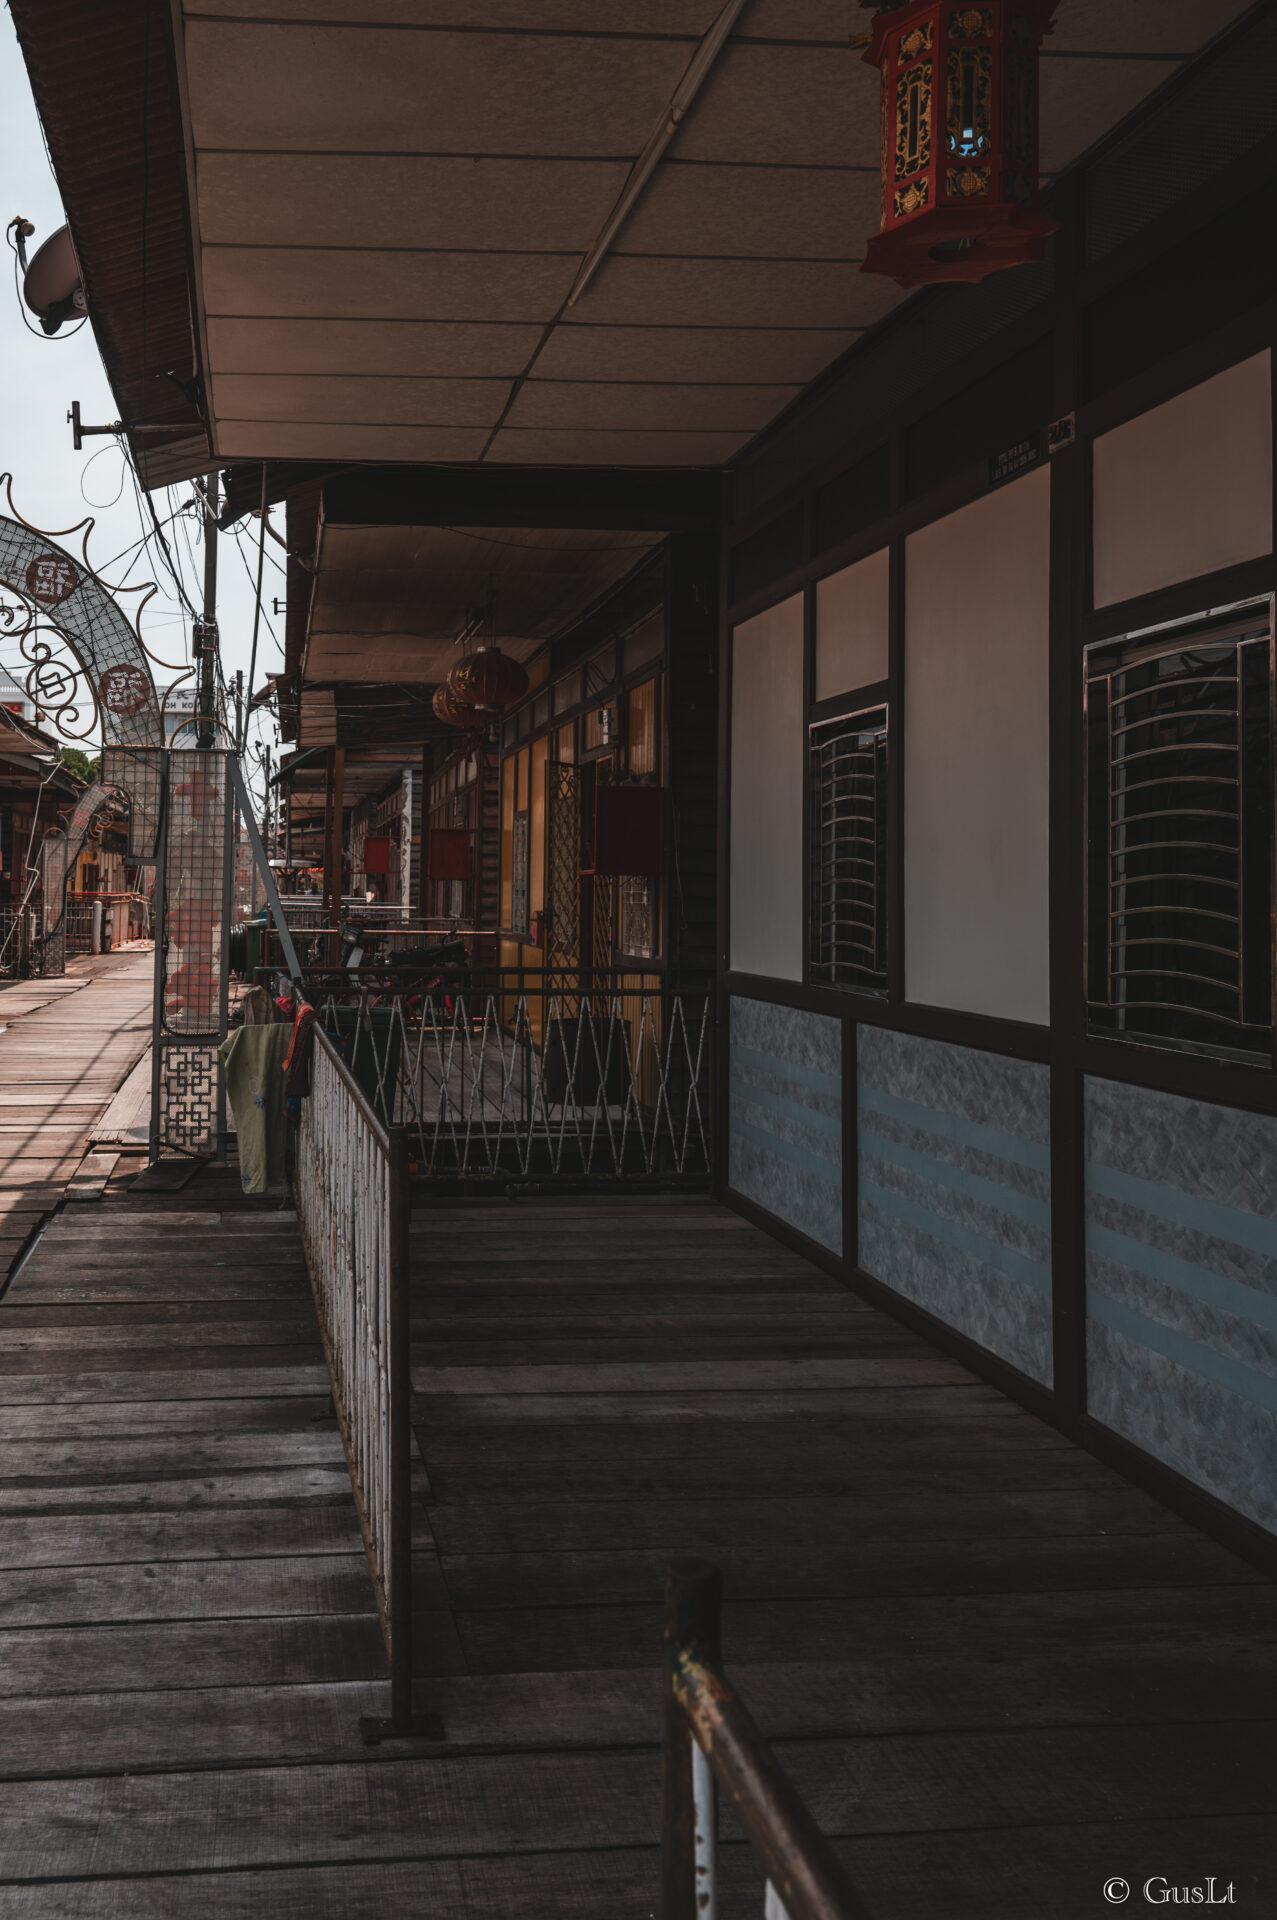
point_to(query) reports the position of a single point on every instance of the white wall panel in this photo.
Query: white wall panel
(1186, 488)
(977, 591)
(767, 793)
(851, 626)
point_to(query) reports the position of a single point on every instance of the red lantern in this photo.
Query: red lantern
(959, 138)
(453, 712)
(487, 681)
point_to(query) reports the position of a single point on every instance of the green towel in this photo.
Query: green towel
(253, 1061)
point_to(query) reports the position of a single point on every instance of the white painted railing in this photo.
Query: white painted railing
(351, 1187)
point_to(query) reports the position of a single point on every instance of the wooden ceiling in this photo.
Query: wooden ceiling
(389, 603)
(393, 198)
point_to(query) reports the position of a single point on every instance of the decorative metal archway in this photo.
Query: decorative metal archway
(111, 674)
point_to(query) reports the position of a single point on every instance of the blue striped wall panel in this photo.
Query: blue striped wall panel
(1181, 1270)
(785, 1116)
(955, 1188)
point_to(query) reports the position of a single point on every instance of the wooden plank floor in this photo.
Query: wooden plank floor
(998, 1673)
(66, 1044)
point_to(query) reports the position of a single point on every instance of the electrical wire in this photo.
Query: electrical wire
(100, 506)
(133, 544)
(261, 609)
(257, 613)
(167, 551)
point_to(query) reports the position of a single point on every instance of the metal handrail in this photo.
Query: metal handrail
(351, 1188)
(708, 1740)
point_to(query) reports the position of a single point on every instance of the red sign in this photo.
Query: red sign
(377, 853)
(124, 689)
(51, 578)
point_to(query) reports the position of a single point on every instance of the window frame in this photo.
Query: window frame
(1210, 626)
(866, 701)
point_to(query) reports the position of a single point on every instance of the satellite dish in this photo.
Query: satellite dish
(53, 287)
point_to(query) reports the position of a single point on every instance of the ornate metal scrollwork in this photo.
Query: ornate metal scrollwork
(87, 663)
(56, 682)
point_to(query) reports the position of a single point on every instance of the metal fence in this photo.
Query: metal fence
(708, 1740)
(603, 1079)
(350, 1183)
(77, 922)
(19, 942)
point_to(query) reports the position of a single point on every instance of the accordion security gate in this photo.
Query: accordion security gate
(606, 1080)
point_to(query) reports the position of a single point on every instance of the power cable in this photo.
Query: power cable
(265, 616)
(167, 551)
(257, 612)
(100, 506)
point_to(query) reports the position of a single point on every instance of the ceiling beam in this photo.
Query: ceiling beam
(645, 166)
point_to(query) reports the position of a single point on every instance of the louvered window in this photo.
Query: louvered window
(1180, 835)
(848, 851)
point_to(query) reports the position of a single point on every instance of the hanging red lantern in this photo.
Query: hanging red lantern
(488, 681)
(959, 138)
(453, 712)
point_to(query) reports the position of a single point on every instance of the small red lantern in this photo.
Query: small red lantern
(488, 681)
(959, 138)
(453, 712)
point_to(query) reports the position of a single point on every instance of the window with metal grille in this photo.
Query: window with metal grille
(849, 851)
(1180, 836)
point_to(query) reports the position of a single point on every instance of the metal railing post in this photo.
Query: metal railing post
(400, 1367)
(693, 1601)
(709, 1740)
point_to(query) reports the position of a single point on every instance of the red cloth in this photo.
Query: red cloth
(300, 1048)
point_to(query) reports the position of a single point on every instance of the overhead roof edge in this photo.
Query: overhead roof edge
(647, 499)
(105, 85)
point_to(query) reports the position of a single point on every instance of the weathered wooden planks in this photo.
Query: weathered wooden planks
(988, 1661)
(65, 1048)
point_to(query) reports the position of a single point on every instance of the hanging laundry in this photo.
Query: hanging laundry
(253, 1059)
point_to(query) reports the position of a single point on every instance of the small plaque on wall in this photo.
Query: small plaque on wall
(1062, 433)
(1017, 459)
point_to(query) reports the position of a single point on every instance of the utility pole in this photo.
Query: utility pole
(239, 708)
(205, 633)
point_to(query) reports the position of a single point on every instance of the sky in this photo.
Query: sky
(54, 486)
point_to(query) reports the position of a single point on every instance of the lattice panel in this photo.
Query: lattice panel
(197, 853)
(188, 1103)
(138, 772)
(53, 880)
(563, 866)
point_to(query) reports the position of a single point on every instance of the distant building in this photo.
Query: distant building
(14, 697)
(177, 704)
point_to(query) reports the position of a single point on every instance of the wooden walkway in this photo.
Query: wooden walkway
(999, 1674)
(66, 1044)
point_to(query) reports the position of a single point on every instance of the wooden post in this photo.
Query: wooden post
(423, 876)
(334, 806)
(693, 1602)
(328, 838)
(339, 809)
